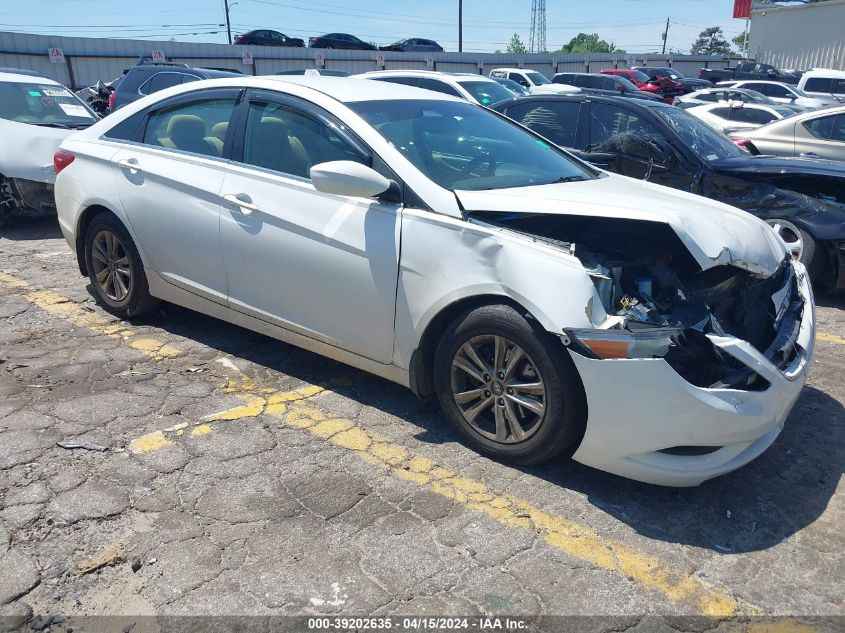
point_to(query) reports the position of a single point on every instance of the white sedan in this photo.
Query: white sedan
(782, 93)
(547, 305)
(736, 116)
(36, 115)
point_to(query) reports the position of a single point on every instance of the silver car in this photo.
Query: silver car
(817, 134)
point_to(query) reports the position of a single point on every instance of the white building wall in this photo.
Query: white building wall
(802, 36)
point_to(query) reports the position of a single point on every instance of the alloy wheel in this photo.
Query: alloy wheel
(790, 235)
(498, 389)
(111, 266)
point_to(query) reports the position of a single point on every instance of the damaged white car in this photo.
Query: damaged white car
(36, 115)
(548, 306)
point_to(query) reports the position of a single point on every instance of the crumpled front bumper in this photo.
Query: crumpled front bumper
(637, 408)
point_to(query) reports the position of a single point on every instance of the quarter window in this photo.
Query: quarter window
(198, 127)
(822, 127)
(286, 140)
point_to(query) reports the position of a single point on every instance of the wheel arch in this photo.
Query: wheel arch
(82, 224)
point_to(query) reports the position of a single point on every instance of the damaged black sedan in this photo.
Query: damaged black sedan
(802, 199)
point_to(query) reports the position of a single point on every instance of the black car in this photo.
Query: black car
(148, 77)
(663, 144)
(608, 85)
(687, 83)
(266, 37)
(340, 40)
(415, 44)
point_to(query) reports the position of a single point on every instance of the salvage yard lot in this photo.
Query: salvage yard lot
(245, 476)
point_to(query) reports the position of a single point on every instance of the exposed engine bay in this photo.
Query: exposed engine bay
(655, 301)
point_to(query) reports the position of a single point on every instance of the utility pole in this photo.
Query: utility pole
(665, 36)
(228, 25)
(460, 26)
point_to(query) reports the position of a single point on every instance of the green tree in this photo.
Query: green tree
(739, 42)
(589, 43)
(516, 45)
(711, 41)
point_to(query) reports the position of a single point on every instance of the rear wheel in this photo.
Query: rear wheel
(115, 268)
(508, 386)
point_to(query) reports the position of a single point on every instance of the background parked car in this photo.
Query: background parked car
(517, 89)
(533, 81)
(340, 40)
(824, 84)
(265, 37)
(737, 116)
(783, 93)
(413, 44)
(730, 95)
(325, 72)
(147, 77)
(661, 86)
(748, 70)
(36, 114)
(467, 86)
(608, 85)
(688, 84)
(817, 134)
(804, 199)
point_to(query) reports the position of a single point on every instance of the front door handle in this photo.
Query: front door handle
(129, 163)
(237, 200)
(809, 155)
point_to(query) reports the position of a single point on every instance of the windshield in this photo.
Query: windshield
(536, 78)
(708, 144)
(486, 92)
(640, 76)
(676, 74)
(461, 146)
(43, 104)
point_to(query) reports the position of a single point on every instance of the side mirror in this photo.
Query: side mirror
(348, 178)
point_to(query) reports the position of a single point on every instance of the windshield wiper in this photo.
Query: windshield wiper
(568, 179)
(61, 126)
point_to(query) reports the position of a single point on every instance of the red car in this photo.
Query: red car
(664, 86)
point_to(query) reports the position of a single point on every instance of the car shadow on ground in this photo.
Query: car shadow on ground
(830, 300)
(783, 491)
(21, 229)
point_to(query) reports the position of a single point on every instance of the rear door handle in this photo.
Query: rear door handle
(237, 200)
(131, 164)
(809, 155)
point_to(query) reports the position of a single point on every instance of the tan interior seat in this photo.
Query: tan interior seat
(187, 132)
(270, 147)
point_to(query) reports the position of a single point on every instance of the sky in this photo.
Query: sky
(633, 25)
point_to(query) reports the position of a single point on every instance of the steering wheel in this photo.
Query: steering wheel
(481, 159)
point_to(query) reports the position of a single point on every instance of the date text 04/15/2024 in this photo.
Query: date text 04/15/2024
(418, 624)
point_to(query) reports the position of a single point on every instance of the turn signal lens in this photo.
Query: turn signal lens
(610, 344)
(62, 159)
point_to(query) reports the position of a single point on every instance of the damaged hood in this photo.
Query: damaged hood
(714, 233)
(27, 150)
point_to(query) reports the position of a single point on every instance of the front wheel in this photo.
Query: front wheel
(115, 268)
(800, 245)
(508, 386)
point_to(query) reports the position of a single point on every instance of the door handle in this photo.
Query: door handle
(237, 200)
(809, 155)
(129, 163)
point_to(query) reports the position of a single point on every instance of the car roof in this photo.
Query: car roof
(433, 74)
(635, 103)
(739, 82)
(15, 75)
(343, 89)
(825, 72)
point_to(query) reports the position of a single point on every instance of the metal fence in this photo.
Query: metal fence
(84, 61)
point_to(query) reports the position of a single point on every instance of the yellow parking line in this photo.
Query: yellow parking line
(508, 510)
(830, 338)
(64, 308)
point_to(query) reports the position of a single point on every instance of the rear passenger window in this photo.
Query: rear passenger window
(198, 127)
(615, 129)
(438, 86)
(557, 121)
(818, 84)
(161, 81)
(286, 140)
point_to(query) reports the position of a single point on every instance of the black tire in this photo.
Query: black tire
(138, 300)
(563, 419)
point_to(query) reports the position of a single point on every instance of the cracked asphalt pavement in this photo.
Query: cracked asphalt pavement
(183, 466)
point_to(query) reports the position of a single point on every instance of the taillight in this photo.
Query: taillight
(699, 75)
(112, 97)
(747, 145)
(62, 159)
(238, 38)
